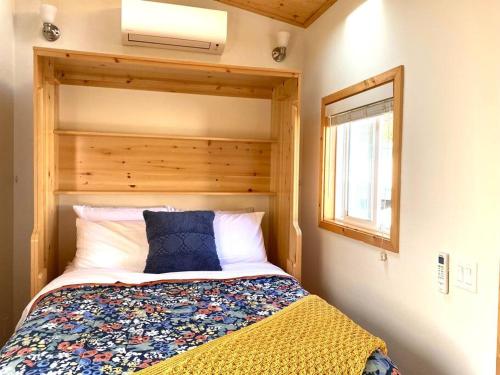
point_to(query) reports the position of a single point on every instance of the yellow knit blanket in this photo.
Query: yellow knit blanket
(308, 337)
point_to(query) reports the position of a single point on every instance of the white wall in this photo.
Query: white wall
(450, 176)
(121, 110)
(6, 162)
(94, 25)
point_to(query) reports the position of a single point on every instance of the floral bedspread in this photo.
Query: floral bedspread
(119, 329)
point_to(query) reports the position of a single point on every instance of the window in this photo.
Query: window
(361, 147)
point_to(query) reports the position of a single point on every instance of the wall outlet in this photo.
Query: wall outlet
(466, 275)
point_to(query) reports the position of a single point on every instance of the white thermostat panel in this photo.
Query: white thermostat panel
(443, 267)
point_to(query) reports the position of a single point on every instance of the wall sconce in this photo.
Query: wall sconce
(279, 53)
(48, 14)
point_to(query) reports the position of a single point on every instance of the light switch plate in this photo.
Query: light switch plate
(466, 275)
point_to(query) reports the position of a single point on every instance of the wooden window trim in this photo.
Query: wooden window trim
(391, 242)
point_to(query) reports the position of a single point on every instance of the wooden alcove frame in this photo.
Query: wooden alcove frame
(65, 161)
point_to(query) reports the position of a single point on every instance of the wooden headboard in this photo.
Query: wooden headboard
(70, 162)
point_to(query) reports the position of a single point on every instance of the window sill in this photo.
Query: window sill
(370, 237)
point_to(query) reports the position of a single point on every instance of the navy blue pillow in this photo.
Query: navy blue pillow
(181, 241)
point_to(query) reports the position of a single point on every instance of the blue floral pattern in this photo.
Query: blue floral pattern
(119, 329)
(380, 364)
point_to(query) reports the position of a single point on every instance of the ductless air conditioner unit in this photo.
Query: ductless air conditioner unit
(161, 25)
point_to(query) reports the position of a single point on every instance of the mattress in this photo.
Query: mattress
(112, 322)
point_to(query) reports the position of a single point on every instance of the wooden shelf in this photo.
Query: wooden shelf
(242, 193)
(162, 136)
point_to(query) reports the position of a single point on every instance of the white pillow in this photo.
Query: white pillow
(116, 213)
(111, 244)
(123, 244)
(238, 237)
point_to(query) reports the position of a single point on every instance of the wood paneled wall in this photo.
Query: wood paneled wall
(94, 162)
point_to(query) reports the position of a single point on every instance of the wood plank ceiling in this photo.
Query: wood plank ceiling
(296, 12)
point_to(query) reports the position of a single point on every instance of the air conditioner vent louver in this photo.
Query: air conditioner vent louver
(168, 42)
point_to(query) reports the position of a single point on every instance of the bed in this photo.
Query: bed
(105, 321)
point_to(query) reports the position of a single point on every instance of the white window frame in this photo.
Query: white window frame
(370, 224)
